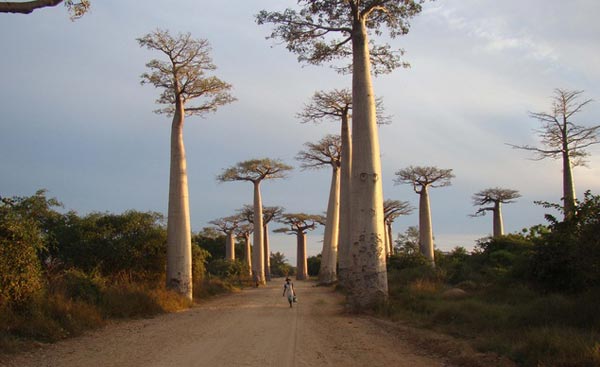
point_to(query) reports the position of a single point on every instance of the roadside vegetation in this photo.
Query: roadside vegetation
(531, 296)
(62, 273)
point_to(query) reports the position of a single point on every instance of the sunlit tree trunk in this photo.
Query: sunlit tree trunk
(367, 283)
(267, 252)
(248, 252)
(258, 263)
(327, 273)
(425, 229)
(301, 264)
(498, 223)
(345, 198)
(230, 247)
(179, 241)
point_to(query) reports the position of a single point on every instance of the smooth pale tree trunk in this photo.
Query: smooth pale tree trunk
(568, 186)
(367, 283)
(248, 252)
(390, 238)
(345, 236)
(267, 252)
(301, 264)
(230, 247)
(498, 223)
(425, 229)
(258, 261)
(386, 243)
(327, 273)
(179, 235)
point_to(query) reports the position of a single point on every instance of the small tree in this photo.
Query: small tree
(422, 178)
(76, 8)
(244, 232)
(255, 171)
(228, 225)
(269, 214)
(182, 79)
(495, 196)
(392, 209)
(322, 31)
(562, 138)
(299, 224)
(327, 152)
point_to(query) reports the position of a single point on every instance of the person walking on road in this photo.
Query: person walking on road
(288, 290)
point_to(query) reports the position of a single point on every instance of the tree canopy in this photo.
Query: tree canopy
(255, 170)
(424, 177)
(326, 152)
(76, 8)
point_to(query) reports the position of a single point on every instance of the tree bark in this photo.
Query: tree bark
(179, 241)
(230, 247)
(390, 239)
(425, 229)
(267, 252)
(568, 186)
(367, 283)
(301, 264)
(498, 223)
(344, 237)
(327, 273)
(248, 253)
(27, 6)
(258, 263)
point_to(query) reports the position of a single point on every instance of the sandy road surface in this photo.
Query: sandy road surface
(255, 327)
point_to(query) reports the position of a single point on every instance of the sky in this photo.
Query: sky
(75, 120)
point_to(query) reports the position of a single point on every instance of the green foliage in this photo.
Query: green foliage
(213, 243)
(21, 239)
(314, 265)
(226, 269)
(280, 266)
(567, 257)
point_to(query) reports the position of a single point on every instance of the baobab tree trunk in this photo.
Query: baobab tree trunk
(267, 252)
(327, 273)
(258, 263)
(390, 239)
(367, 283)
(230, 247)
(248, 253)
(345, 236)
(425, 230)
(568, 186)
(498, 223)
(179, 236)
(301, 264)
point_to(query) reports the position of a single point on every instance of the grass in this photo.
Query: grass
(530, 328)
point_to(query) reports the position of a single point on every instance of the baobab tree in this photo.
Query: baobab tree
(76, 8)
(322, 31)
(562, 138)
(269, 214)
(243, 231)
(299, 224)
(327, 152)
(422, 178)
(255, 171)
(182, 79)
(496, 197)
(392, 209)
(336, 105)
(228, 225)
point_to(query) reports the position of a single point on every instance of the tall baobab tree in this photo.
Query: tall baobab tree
(562, 138)
(336, 105)
(422, 178)
(327, 152)
(244, 232)
(299, 224)
(228, 225)
(255, 171)
(392, 209)
(269, 214)
(183, 80)
(496, 197)
(76, 8)
(322, 31)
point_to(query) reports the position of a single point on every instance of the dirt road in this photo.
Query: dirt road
(255, 327)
